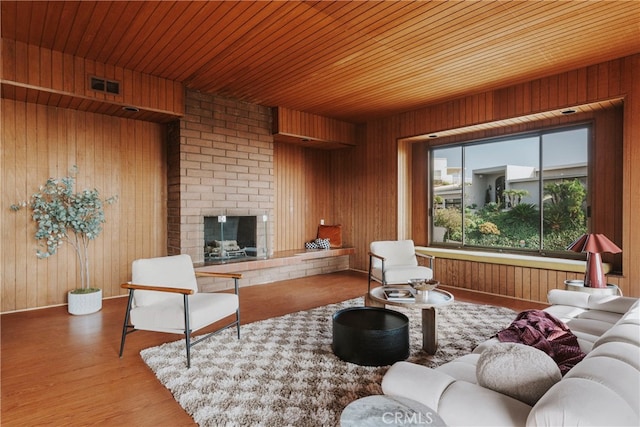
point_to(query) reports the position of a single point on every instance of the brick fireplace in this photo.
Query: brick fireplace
(220, 161)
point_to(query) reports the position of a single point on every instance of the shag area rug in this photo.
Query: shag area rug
(282, 372)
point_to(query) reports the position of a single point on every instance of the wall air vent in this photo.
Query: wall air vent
(106, 86)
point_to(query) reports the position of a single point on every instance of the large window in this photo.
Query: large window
(524, 192)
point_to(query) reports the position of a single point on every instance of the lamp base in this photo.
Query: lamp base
(594, 274)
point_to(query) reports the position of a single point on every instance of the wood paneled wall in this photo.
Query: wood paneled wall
(509, 280)
(53, 78)
(371, 167)
(303, 182)
(118, 157)
(357, 187)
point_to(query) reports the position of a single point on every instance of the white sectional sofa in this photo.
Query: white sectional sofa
(601, 390)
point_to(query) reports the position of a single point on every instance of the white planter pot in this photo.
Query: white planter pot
(85, 303)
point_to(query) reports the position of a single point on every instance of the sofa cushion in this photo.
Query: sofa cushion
(466, 404)
(409, 380)
(587, 316)
(626, 330)
(614, 374)
(599, 391)
(611, 303)
(458, 403)
(517, 370)
(463, 368)
(568, 298)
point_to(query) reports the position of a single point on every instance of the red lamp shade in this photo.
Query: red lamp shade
(594, 245)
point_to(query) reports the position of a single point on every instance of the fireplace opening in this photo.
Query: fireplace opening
(232, 238)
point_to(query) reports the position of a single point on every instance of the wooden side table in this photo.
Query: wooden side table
(436, 298)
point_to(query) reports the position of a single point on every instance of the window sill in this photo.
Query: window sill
(529, 261)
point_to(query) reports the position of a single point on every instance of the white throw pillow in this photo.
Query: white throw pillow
(517, 370)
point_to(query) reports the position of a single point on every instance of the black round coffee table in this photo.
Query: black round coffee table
(370, 336)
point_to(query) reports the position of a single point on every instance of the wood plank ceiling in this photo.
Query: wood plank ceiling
(353, 61)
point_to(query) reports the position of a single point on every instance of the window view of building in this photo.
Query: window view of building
(525, 192)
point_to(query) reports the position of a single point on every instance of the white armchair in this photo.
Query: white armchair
(164, 297)
(396, 261)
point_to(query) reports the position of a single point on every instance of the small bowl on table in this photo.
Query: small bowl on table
(422, 288)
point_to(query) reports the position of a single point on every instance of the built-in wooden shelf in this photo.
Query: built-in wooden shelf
(310, 130)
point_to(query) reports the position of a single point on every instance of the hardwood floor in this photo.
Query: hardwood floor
(59, 369)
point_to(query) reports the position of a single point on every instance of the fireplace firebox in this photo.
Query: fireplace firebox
(237, 238)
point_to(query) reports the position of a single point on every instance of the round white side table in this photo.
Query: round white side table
(578, 285)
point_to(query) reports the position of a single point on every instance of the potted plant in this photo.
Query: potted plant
(76, 218)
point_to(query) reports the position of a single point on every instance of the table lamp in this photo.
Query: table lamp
(594, 244)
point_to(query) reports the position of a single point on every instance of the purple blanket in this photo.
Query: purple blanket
(543, 331)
